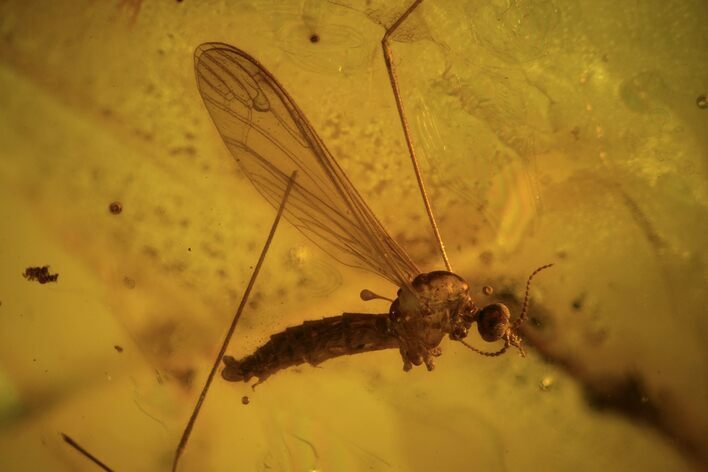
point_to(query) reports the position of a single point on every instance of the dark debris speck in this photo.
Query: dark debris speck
(578, 302)
(40, 274)
(116, 208)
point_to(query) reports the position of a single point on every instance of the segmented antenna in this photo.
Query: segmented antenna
(524, 308)
(486, 353)
(511, 338)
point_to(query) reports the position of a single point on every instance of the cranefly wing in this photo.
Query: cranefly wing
(270, 138)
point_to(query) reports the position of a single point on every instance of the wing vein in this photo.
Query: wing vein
(269, 137)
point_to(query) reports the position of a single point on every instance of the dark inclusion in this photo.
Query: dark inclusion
(40, 274)
(115, 208)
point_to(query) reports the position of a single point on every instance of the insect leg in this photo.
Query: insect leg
(85, 453)
(230, 332)
(388, 57)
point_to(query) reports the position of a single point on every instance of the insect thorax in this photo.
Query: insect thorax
(437, 305)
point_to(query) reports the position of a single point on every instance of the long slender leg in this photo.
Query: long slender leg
(230, 332)
(85, 453)
(388, 56)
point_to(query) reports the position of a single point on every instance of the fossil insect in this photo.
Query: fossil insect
(270, 137)
(272, 140)
(288, 163)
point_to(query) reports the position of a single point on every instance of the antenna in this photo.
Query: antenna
(493, 323)
(524, 308)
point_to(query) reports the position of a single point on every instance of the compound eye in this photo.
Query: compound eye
(493, 321)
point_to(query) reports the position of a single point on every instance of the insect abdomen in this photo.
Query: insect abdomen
(313, 342)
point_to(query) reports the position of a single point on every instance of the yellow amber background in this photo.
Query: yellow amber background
(548, 131)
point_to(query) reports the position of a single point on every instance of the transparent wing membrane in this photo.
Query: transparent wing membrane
(269, 137)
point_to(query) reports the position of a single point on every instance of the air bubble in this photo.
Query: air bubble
(546, 383)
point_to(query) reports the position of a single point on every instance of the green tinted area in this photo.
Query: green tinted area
(565, 131)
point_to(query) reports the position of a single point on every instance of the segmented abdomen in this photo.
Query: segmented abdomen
(313, 342)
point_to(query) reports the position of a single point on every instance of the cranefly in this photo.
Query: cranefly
(282, 155)
(270, 138)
